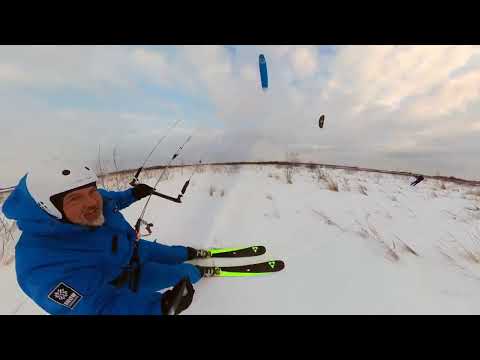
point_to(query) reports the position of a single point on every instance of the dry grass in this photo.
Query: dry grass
(450, 258)
(388, 215)
(289, 174)
(475, 192)
(332, 185)
(167, 174)
(475, 254)
(212, 190)
(453, 215)
(451, 247)
(363, 190)
(406, 247)
(232, 169)
(200, 169)
(453, 262)
(410, 250)
(289, 171)
(363, 233)
(327, 220)
(292, 158)
(217, 169)
(322, 175)
(7, 247)
(476, 208)
(411, 213)
(468, 254)
(100, 172)
(391, 254)
(372, 232)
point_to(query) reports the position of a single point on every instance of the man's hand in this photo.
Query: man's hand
(178, 299)
(142, 190)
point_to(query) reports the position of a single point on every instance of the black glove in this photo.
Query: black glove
(142, 190)
(178, 299)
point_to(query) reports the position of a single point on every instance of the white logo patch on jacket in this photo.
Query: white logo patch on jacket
(65, 295)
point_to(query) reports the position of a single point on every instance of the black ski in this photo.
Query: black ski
(243, 270)
(236, 252)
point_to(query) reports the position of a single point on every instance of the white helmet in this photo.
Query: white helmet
(43, 183)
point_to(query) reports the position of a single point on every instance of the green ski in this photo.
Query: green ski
(258, 269)
(236, 252)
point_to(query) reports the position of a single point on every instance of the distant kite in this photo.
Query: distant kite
(320, 121)
(262, 63)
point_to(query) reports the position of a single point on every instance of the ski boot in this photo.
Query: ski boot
(208, 271)
(198, 253)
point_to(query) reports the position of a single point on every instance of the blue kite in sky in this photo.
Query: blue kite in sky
(263, 71)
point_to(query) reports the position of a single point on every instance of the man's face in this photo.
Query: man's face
(84, 207)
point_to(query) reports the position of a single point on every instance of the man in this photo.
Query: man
(76, 254)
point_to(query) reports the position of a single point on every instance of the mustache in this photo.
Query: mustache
(92, 211)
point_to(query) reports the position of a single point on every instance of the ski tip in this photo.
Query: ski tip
(280, 264)
(259, 250)
(276, 265)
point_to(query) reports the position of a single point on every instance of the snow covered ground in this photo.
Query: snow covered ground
(375, 246)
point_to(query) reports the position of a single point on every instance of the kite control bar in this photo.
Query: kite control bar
(179, 197)
(177, 200)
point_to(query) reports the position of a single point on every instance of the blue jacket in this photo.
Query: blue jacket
(67, 269)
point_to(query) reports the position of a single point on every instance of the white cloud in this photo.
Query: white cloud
(152, 61)
(304, 61)
(387, 75)
(453, 95)
(156, 67)
(139, 117)
(250, 73)
(49, 67)
(10, 73)
(278, 51)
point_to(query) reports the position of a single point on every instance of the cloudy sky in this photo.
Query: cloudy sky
(413, 108)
